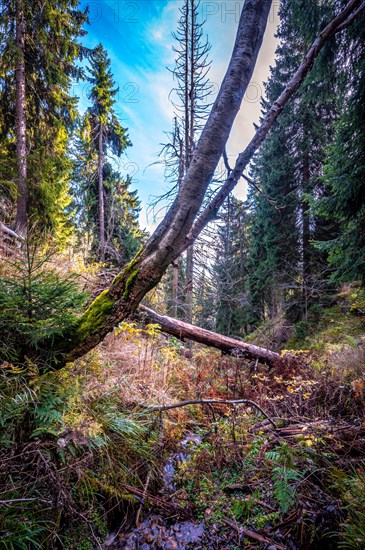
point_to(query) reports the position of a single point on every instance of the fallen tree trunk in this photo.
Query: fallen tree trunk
(183, 330)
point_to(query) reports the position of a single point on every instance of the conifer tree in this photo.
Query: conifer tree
(284, 265)
(345, 165)
(106, 133)
(40, 45)
(230, 269)
(123, 235)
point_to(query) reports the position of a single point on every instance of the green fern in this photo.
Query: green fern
(22, 524)
(284, 490)
(284, 475)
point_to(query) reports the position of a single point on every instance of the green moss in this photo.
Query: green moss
(117, 278)
(336, 328)
(94, 317)
(129, 283)
(129, 273)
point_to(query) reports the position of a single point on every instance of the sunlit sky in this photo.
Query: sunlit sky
(137, 35)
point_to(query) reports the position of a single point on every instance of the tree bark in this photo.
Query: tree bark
(20, 122)
(175, 288)
(176, 232)
(230, 346)
(306, 251)
(189, 284)
(189, 139)
(101, 195)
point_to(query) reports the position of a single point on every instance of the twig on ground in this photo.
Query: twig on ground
(143, 498)
(253, 534)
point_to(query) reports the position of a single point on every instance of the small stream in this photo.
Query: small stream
(156, 532)
(181, 456)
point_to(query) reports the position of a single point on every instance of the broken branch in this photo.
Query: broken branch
(229, 402)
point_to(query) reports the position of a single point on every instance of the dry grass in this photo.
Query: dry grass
(150, 370)
(144, 370)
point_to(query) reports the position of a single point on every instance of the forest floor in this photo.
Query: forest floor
(227, 477)
(123, 476)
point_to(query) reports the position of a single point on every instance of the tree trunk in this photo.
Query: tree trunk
(20, 123)
(228, 345)
(306, 252)
(189, 284)
(176, 231)
(101, 195)
(175, 288)
(189, 142)
(338, 23)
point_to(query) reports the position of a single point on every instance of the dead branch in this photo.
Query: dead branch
(253, 534)
(10, 232)
(229, 402)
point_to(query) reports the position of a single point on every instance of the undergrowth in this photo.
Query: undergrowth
(81, 454)
(66, 454)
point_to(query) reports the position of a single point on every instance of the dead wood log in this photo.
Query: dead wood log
(231, 346)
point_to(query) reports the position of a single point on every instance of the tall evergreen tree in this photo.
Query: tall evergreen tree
(106, 133)
(283, 263)
(345, 164)
(39, 47)
(123, 236)
(230, 270)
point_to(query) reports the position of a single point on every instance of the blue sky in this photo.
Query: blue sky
(137, 35)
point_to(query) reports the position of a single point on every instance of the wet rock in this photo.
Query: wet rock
(151, 535)
(170, 544)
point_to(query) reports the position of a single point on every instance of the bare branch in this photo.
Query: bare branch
(229, 402)
(268, 199)
(10, 232)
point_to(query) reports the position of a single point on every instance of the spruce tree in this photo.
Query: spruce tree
(40, 47)
(344, 171)
(286, 270)
(105, 132)
(230, 270)
(123, 236)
